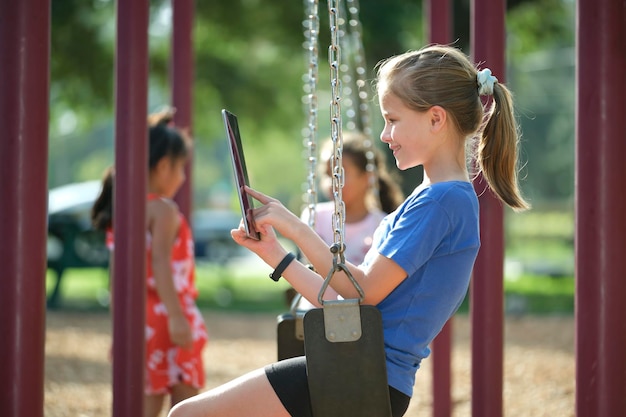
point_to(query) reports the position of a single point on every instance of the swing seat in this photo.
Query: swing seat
(346, 360)
(290, 335)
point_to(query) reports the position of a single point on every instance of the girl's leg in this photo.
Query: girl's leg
(152, 404)
(251, 395)
(181, 392)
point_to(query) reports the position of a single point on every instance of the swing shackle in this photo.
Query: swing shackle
(339, 266)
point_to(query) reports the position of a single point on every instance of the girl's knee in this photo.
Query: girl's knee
(180, 410)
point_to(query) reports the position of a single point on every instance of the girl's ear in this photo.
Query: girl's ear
(438, 118)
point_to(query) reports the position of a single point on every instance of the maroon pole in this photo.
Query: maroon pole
(486, 297)
(129, 223)
(600, 209)
(182, 81)
(438, 13)
(442, 372)
(24, 85)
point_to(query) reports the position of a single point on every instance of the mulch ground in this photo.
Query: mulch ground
(538, 365)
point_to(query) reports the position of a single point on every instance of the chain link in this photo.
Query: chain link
(338, 177)
(365, 125)
(311, 34)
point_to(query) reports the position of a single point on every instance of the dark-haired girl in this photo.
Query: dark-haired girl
(175, 330)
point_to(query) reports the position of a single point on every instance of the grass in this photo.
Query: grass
(245, 290)
(538, 276)
(539, 294)
(218, 287)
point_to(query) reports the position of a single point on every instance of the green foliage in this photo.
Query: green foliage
(232, 290)
(249, 58)
(540, 41)
(218, 287)
(549, 24)
(540, 285)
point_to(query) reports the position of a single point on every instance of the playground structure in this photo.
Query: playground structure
(600, 223)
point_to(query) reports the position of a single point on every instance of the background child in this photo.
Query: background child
(175, 331)
(364, 210)
(418, 269)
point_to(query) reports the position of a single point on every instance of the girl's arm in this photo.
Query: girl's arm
(377, 281)
(380, 277)
(164, 222)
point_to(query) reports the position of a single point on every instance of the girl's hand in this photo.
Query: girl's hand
(180, 331)
(272, 216)
(268, 248)
(273, 213)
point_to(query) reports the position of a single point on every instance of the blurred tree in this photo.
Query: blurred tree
(249, 58)
(81, 63)
(540, 40)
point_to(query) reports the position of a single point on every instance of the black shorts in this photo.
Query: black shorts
(288, 378)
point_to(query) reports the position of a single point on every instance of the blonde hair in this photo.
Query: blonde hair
(443, 76)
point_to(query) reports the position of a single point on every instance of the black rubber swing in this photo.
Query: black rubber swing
(345, 356)
(290, 331)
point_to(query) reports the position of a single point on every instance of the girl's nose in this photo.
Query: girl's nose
(384, 136)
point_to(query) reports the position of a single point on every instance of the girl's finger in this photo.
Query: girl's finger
(257, 195)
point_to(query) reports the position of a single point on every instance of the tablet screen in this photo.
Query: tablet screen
(241, 174)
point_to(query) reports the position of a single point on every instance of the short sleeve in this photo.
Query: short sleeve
(415, 234)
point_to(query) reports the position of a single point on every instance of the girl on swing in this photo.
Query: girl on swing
(418, 269)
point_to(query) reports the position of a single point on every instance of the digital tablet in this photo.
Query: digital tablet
(241, 174)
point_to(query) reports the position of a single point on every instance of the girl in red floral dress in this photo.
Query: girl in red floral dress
(175, 330)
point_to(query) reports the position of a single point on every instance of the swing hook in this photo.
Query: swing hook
(339, 265)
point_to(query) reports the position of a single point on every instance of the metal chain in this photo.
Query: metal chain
(311, 34)
(347, 93)
(356, 31)
(356, 35)
(338, 178)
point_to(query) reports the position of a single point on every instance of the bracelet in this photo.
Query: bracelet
(282, 266)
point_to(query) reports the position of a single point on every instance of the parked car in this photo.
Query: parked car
(211, 231)
(73, 243)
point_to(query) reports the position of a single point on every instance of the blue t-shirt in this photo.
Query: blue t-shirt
(434, 236)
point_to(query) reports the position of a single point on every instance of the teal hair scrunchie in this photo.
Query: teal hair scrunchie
(485, 82)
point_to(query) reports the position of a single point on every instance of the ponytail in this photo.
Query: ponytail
(102, 209)
(165, 117)
(497, 149)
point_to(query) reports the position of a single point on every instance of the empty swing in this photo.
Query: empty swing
(290, 330)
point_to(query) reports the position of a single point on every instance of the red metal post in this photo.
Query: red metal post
(438, 13)
(487, 40)
(442, 372)
(24, 86)
(129, 223)
(600, 209)
(181, 65)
